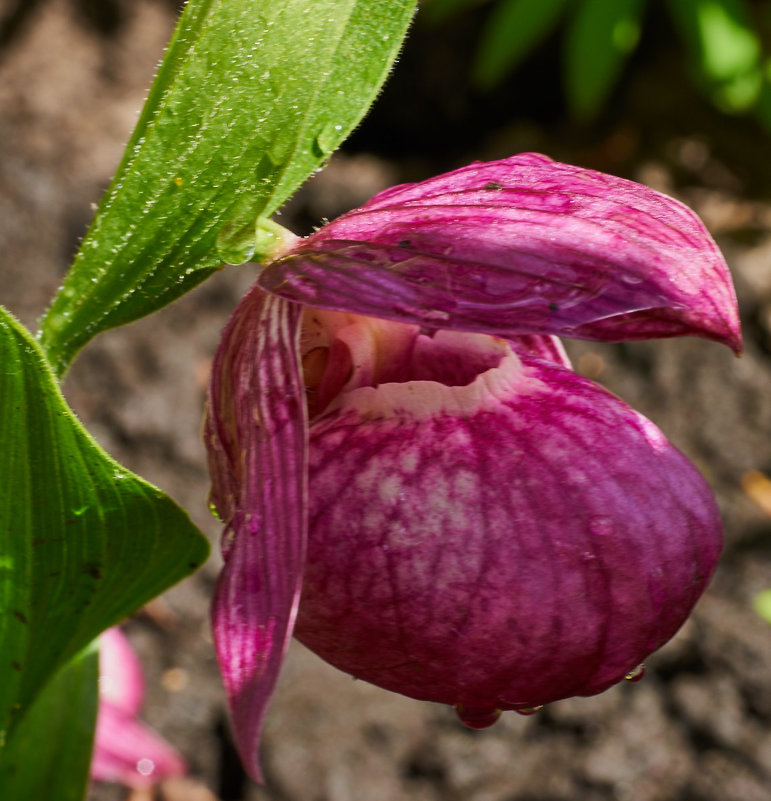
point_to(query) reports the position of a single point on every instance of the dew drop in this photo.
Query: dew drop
(236, 242)
(278, 151)
(145, 766)
(636, 674)
(529, 710)
(477, 717)
(226, 544)
(328, 138)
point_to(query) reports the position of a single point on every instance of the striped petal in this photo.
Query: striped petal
(523, 245)
(255, 431)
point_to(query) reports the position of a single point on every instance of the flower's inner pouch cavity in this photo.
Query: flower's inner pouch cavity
(342, 352)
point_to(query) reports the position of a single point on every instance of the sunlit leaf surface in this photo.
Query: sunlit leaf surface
(83, 542)
(252, 97)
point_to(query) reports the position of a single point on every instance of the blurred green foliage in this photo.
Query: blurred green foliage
(762, 604)
(723, 42)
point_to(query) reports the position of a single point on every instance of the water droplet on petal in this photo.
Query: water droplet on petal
(529, 710)
(145, 766)
(636, 674)
(477, 717)
(226, 543)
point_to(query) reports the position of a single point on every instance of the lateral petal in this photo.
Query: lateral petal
(255, 432)
(524, 245)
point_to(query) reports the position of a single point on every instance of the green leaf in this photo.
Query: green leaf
(724, 48)
(762, 604)
(49, 754)
(251, 98)
(513, 29)
(83, 542)
(600, 36)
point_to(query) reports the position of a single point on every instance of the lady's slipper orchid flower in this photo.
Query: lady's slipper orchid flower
(413, 479)
(125, 750)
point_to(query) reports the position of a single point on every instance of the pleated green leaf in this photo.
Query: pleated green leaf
(83, 542)
(251, 98)
(600, 36)
(49, 754)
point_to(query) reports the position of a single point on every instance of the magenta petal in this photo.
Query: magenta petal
(500, 545)
(128, 752)
(125, 750)
(523, 245)
(121, 683)
(255, 432)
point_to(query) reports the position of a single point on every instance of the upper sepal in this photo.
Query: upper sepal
(524, 245)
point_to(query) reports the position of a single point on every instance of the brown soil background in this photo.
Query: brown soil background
(698, 727)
